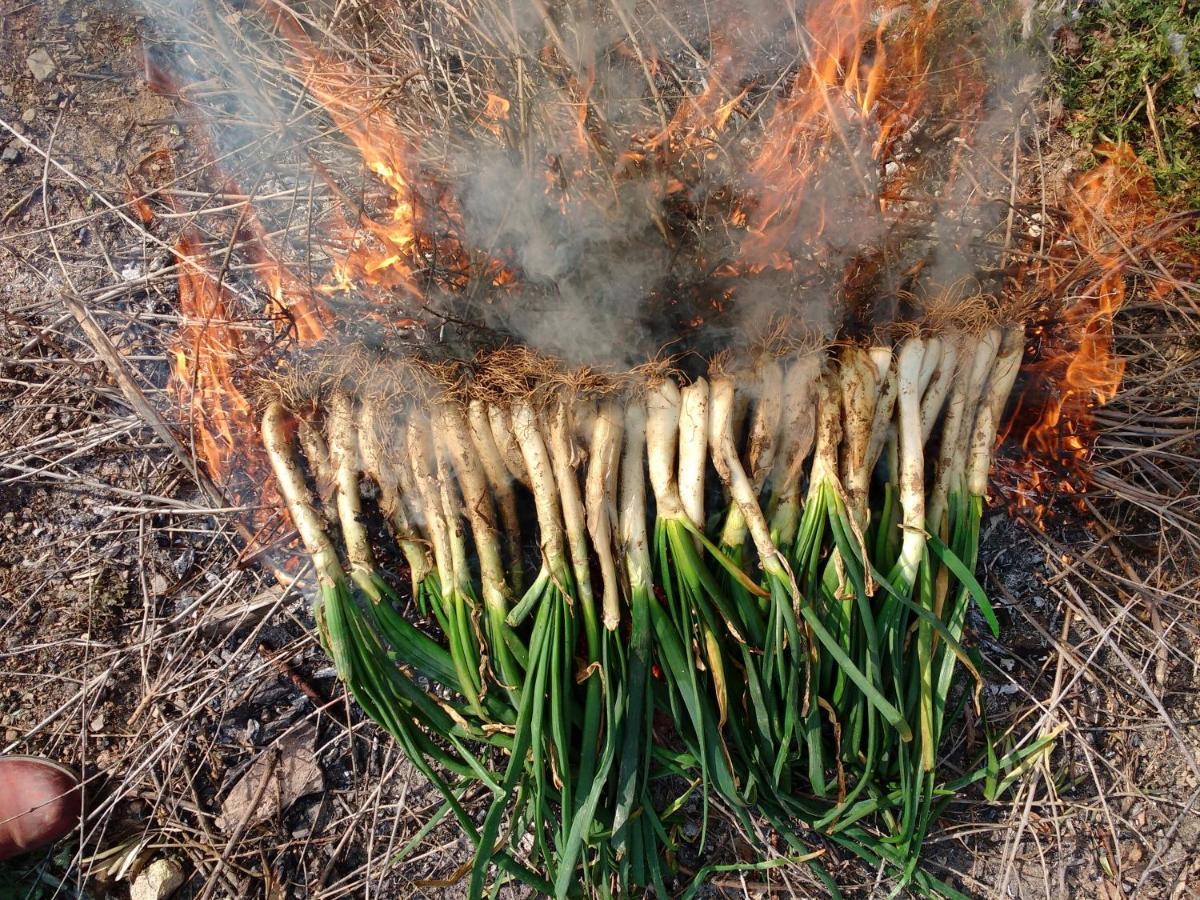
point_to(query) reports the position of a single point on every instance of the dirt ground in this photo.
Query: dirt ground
(137, 645)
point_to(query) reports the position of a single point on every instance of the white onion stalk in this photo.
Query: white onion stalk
(333, 591)
(464, 601)
(969, 434)
(824, 483)
(500, 418)
(693, 449)
(316, 454)
(424, 478)
(562, 458)
(675, 541)
(733, 476)
(763, 441)
(635, 545)
(798, 430)
(991, 407)
(882, 432)
(583, 422)
(452, 509)
(934, 396)
(378, 464)
(663, 403)
(500, 480)
(675, 530)
(550, 668)
(985, 358)
(911, 473)
(824, 468)
(344, 456)
(653, 628)
(477, 500)
(934, 347)
(635, 551)
(411, 500)
(555, 570)
(600, 500)
(975, 359)
(451, 608)
(861, 379)
(294, 490)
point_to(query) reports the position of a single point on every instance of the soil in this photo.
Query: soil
(137, 646)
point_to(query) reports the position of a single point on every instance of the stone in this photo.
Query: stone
(11, 154)
(157, 881)
(29, 116)
(41, 65)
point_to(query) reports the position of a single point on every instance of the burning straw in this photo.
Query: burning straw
(743, 576)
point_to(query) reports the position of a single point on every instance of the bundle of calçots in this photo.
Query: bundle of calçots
(626, 594)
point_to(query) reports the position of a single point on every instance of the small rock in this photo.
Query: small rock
(29, 116)
(184, 561)
(11, 736)
(97, 722)
(11, 154)
(41, 65)
(6, 90)
(159, 585)
(157, 881)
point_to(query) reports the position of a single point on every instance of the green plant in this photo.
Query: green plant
(1129, 70)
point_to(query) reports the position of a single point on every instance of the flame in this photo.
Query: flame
(495, 114)
(1072, 367)
(385, 151)
(832, 145)
(207, 352)
(865, 85)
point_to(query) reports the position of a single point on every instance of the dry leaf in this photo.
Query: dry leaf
(283, 773)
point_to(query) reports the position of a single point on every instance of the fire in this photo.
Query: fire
(1071, 366)
(495, 114)
(206, 355)
(360, 117)
(866, 85)
(835, 139)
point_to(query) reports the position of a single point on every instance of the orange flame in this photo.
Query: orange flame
(836, 128)
(338, 86)
(871, 74)
(207, 353)
(1073, 367)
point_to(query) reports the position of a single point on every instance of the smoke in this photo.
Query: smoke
(630, 219)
